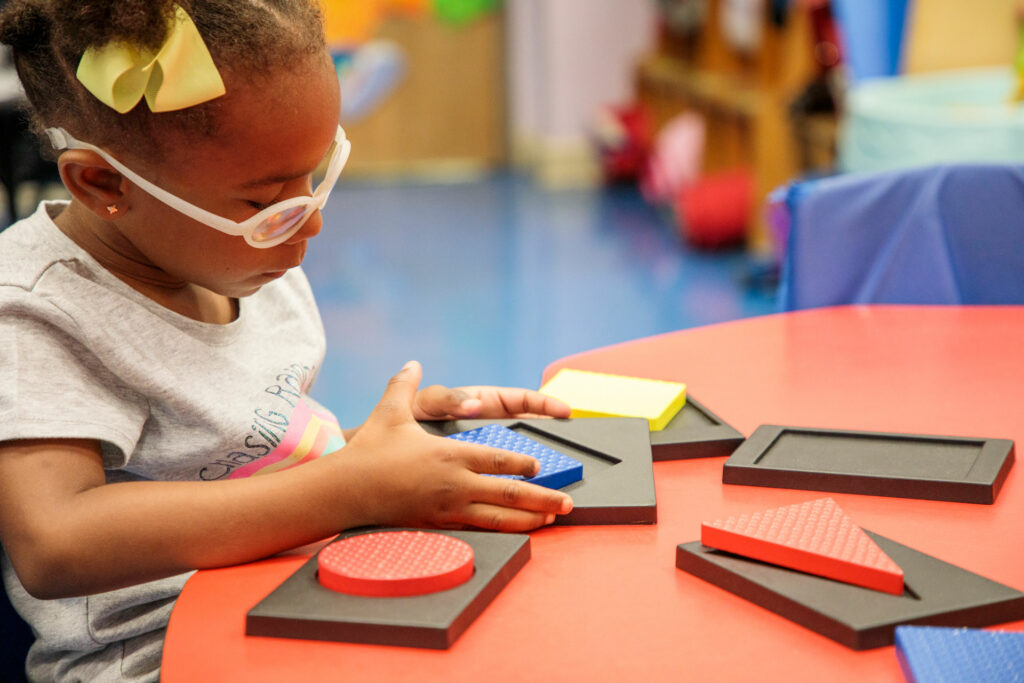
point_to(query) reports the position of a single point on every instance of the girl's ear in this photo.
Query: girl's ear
(92, 181)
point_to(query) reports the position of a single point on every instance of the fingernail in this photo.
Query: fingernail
(567, 506)
(408, 365)
(548, 519)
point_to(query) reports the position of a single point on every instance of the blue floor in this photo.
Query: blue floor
(488, 282)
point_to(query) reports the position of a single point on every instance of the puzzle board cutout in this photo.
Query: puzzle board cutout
(935, 592)
(950, 468)
(694, 432)
(301, 608)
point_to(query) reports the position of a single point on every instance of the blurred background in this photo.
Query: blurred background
(534, 178)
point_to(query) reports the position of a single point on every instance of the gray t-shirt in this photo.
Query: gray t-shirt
(83, 355)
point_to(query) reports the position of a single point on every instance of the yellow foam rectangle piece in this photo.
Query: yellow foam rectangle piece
(596, 394)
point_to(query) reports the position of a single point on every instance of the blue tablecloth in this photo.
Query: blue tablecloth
(948, 234)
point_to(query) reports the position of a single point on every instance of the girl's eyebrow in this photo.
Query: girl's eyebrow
(274, 179)
(282, 178)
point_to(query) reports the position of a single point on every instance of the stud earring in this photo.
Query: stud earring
(112, 209)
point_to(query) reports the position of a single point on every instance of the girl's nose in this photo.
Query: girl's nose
(310, 229)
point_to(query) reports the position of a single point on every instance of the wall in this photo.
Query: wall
(566, 58)
(446, 117)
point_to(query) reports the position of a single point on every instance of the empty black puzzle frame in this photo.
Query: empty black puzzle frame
(950, 468)
(301, 608)
(694, 432)
(936, 593)
(618, 478)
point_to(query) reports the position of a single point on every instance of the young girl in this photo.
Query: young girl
(158, 339)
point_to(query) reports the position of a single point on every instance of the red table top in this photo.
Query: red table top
(607, 603)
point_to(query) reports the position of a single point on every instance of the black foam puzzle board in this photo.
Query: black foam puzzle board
(936, 594)
(618, 477)
(950, 468)
(301, 608)
(694, 432)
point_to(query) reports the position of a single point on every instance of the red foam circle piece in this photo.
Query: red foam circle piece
(395, 564)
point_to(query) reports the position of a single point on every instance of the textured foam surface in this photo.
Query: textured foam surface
(929, 654)
(816, 537)
(596, 394)
(395, 563)
(556, 469)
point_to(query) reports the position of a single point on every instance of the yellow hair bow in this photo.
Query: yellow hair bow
(179, 75)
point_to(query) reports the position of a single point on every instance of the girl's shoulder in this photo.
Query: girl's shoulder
(33, 245)
(46, 278)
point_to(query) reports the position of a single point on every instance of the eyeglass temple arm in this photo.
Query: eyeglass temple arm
(61, 140)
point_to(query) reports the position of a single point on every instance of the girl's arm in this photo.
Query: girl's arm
(68, 532)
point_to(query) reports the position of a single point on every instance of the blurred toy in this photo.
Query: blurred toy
(683, 18)
(714, 211)
(461, 12)
(622, 137)
(875, 35)
(741, 23)
(675, 159)
(367, 76)
(369, 69)
(349, 24)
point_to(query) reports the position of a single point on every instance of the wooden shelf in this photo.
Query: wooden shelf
(744, 99)
(669, 77)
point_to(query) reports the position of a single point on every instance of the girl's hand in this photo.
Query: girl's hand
(407, 477)
(441, 403)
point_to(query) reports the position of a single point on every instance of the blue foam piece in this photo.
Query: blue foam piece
(931, 654)
(556, 469)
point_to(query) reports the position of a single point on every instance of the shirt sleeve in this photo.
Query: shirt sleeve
(52, 386)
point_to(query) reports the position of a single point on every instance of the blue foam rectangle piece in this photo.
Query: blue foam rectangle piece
(556, 469)
(932, 654)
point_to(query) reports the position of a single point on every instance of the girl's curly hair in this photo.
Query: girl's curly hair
(246, 38)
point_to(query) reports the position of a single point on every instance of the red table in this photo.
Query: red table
(607, 603)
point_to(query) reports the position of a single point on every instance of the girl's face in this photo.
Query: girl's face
(272, 136)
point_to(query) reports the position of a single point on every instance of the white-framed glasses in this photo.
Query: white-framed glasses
(268, 228)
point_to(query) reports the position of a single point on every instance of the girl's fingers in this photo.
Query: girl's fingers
(438, 402)
(511, 493)
(537, 403)
(487, 460)
(396, 405)
(515, 402)
(519, 495)
(498, 518)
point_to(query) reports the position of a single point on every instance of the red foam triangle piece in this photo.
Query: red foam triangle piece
(815, 537)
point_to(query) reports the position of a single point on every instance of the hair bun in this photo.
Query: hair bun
(25, 25)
